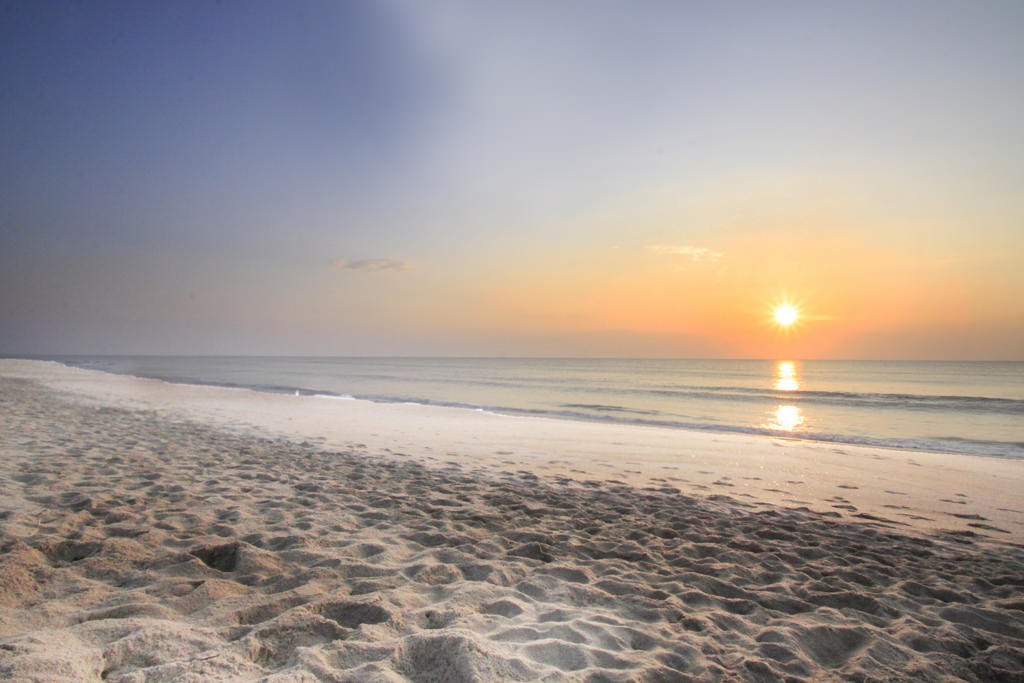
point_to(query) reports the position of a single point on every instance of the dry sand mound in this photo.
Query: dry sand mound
(137, 548)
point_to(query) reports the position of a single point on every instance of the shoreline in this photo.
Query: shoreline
(951, 445)
(921, 491)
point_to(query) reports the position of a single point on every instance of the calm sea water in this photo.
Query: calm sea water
(971, 407)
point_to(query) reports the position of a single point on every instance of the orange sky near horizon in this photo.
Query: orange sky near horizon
(860, 289)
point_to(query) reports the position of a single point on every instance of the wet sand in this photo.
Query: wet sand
(144, 536)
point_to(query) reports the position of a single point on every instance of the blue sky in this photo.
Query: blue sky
(400, 177)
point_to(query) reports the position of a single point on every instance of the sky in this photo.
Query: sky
(513, 179)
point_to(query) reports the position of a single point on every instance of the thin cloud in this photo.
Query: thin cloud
(695, 253)
(372, 265)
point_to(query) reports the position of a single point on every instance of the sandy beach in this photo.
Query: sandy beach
(153, 531)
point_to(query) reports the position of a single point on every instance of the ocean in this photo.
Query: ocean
(964, 407)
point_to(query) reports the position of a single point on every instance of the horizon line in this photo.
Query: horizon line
(54, 356)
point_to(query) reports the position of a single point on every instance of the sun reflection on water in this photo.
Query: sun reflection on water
(785, 376)
(786, 418)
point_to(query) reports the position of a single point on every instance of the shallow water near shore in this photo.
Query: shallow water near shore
(961, 406)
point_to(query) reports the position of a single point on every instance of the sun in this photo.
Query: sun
(786, 314)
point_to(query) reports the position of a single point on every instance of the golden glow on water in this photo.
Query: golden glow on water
(786, 419)
(785, 376)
